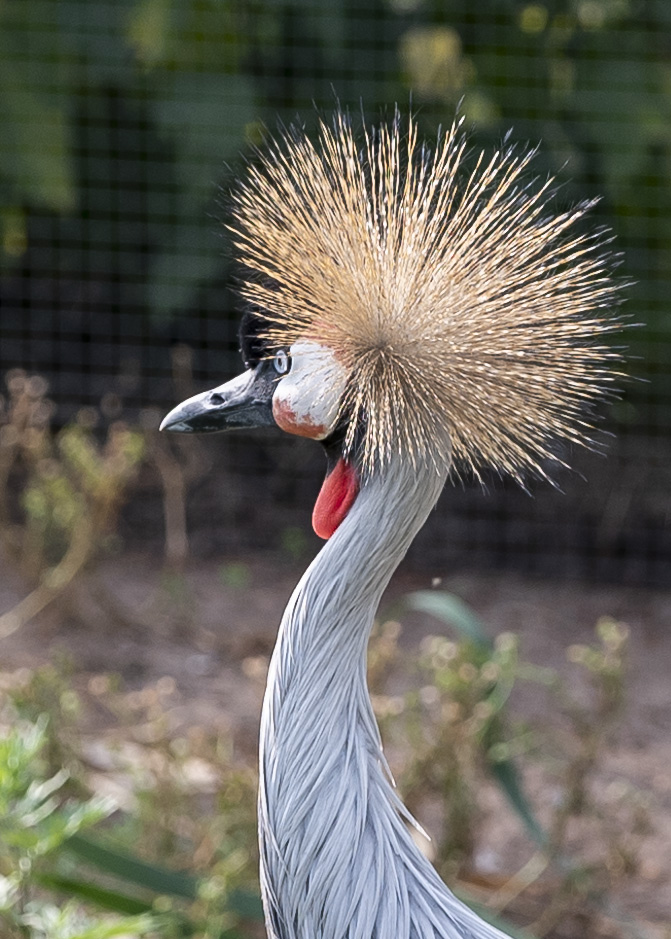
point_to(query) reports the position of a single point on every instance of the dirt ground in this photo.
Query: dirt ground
(205, 630)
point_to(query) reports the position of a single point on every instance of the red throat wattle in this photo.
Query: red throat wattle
(335, 499)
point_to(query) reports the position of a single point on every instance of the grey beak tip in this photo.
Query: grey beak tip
(175, 424)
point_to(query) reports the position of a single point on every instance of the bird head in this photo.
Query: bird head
(300, 389)
(412, 304)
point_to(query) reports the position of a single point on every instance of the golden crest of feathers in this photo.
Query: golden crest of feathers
(463, 307)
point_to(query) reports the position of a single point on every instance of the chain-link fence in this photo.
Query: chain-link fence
(122, 122)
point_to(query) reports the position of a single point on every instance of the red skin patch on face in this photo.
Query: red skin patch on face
(335, 499)
(302, 427)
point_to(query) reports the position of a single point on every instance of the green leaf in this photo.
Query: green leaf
(107, 899)
(128, 926)
(9, 891)
(40, 790)
(506, 775)
(246, 904)
(452, 611)
(131, 869)
(70, 922)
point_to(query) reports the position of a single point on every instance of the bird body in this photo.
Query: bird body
(412, 313)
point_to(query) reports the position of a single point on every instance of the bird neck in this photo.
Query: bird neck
(324, 632)
(321, 757)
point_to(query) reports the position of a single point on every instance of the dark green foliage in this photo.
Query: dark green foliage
(456, 734)
(128, 111)
(71, 490)
(182, 861)
(56, 880)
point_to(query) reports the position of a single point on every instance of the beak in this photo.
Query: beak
(243, 402)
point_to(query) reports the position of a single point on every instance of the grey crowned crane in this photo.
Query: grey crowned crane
(415, 310)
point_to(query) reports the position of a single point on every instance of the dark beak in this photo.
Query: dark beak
(243, 402)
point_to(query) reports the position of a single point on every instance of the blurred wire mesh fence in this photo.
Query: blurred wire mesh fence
(124, 121)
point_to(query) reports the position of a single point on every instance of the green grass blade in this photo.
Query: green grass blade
(106, 899)
(453, 611)
(131, 869)
(128, 926)
(246, 904)
(506, 775)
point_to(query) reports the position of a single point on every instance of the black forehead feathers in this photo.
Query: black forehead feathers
(252, 344)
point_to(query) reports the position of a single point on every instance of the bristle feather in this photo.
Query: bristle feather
(465, 310)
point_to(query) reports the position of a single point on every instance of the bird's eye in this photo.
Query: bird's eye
(281, 362)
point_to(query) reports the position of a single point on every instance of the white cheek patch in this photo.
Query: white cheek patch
(307, 400)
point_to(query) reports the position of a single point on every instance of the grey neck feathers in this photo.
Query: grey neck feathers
(337, 860)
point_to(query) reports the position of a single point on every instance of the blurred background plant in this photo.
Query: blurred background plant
(60, 492)
(187, 802)
(176, 854)
(453, 732)
(125, 120)
(36, 820)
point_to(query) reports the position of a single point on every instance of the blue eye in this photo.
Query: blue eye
(281, 362)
